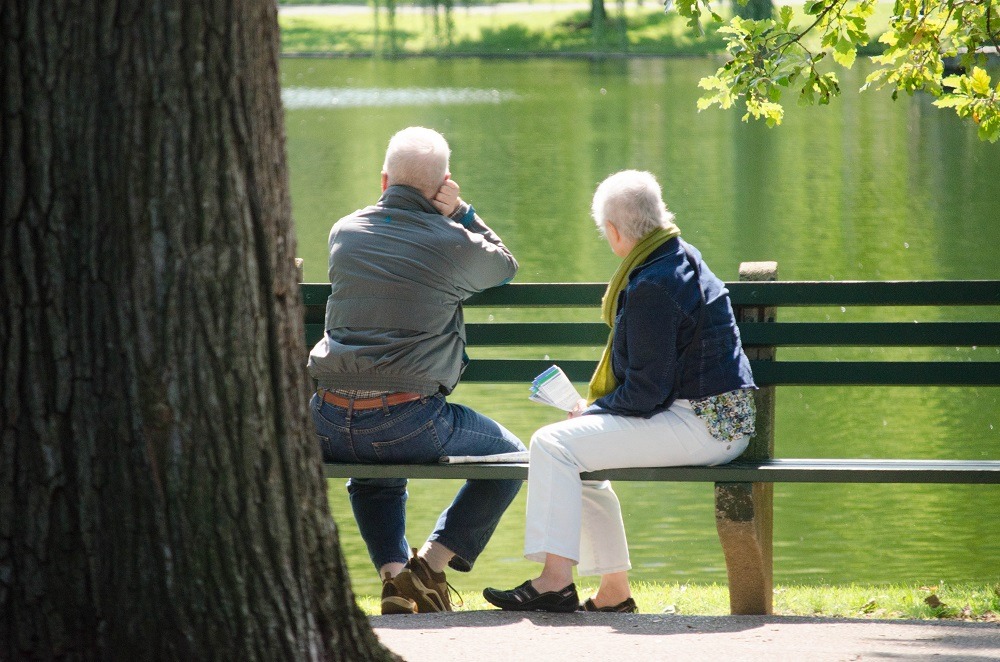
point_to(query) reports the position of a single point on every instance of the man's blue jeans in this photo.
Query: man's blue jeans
(417, 432)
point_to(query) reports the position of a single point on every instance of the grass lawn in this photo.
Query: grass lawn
(967, 601)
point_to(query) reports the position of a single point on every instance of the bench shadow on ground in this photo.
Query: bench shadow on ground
(950, 635)
(652, 624)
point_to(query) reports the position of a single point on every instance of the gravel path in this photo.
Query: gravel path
(484, 636)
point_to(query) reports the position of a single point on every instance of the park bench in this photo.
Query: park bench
(743, 488)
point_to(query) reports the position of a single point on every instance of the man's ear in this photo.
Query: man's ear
(385, 180)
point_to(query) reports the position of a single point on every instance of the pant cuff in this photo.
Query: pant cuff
(462, 561)
(590, 572)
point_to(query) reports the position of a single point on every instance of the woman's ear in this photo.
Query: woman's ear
(614, 236)
(620, 245)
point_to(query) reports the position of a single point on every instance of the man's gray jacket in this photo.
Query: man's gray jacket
(399, 272)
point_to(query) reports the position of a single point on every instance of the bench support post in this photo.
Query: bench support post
(744, 512)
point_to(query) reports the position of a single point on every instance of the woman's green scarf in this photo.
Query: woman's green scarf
(603, 381)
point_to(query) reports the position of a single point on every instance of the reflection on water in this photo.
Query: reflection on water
(296, 98)
(863, 189)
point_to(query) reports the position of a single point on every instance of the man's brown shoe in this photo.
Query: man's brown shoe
(392, 601)
(427, 588)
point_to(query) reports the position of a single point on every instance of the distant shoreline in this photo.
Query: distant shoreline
(527, 55)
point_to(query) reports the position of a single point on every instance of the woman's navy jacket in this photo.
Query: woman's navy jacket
(656, 320)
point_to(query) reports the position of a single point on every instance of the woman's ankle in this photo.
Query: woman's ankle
(557, 574)
(614, 590)
(610, 599)
(547, 584)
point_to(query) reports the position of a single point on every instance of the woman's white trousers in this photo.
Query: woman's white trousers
(582, 520)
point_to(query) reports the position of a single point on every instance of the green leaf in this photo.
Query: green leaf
(952, 81)
(845, 53)
(846, 59)
(770, 55)
(814, 8)
(952, 101)
(980, 81)
(786, 14)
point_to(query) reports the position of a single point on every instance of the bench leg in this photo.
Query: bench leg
(744, 518)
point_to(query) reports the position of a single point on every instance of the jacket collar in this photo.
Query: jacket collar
(670, 247)
(401, 196)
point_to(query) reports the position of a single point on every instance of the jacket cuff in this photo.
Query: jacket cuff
(464, 214)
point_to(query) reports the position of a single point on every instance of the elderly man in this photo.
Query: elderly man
(393, 349)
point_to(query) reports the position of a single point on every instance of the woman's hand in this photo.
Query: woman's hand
(578, 409)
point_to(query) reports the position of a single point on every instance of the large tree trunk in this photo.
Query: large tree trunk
(755, 9)
(160, 495)
(598, 15)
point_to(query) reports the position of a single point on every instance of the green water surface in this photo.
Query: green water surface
(864, 189)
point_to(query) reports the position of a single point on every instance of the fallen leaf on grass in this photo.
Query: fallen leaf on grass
(933, 602)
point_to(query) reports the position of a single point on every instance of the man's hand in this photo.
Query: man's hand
(446, 201)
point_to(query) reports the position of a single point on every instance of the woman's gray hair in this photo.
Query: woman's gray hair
(633, 201)
(417, 157)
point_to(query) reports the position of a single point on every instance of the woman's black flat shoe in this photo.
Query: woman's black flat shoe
(626, 606)
(526, 598)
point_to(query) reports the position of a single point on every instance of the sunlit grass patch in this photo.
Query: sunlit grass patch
(977, 602)
(637, 31)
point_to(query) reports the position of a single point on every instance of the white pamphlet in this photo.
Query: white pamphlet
(517, 457)
(553, 387)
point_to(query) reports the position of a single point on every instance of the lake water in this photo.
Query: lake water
(863, 189)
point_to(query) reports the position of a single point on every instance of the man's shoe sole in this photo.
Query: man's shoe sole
(398, 605)
(428, 600)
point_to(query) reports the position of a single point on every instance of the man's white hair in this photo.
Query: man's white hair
(417, 157)
(633, 201)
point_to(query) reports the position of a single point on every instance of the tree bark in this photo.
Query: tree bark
(598, 14)
(755, 9)
(160, 493)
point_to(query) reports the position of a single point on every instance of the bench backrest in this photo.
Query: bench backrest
(755, 303)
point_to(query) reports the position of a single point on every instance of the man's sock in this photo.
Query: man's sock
(436, 555)
(392, 568)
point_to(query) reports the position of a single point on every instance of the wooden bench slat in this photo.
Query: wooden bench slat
(314, 294)
(792, 470)
(586, 295)
(866, 293)
(772, 373)
(524, 370)
(871, 334)
(537, 333)
(761, 293)
(770, 471)
(786, 334)
(313, 333)
(876, 373)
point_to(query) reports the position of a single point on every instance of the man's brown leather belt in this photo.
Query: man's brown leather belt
(370, 403)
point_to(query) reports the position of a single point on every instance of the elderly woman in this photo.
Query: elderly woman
(672, 388)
